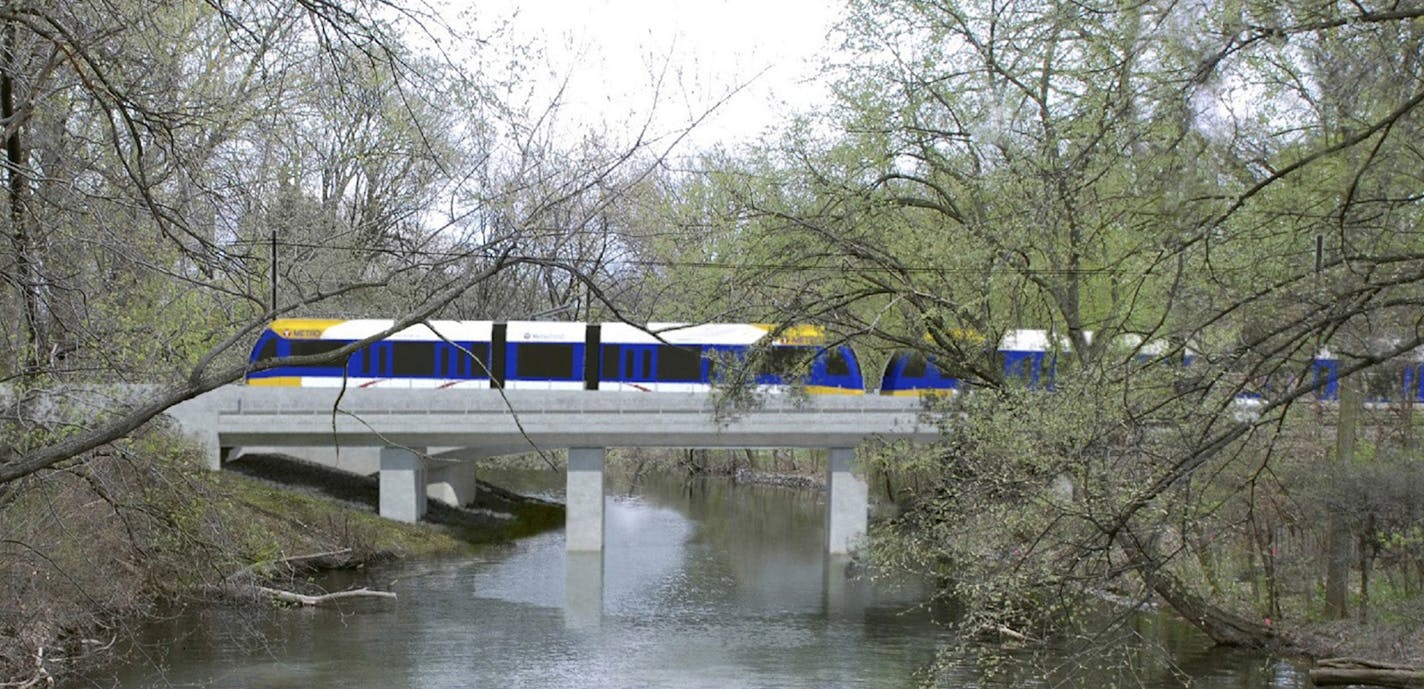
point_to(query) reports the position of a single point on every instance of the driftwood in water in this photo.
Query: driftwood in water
(322, 599)
(1341, 671)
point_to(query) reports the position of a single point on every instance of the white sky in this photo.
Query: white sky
(612, 51)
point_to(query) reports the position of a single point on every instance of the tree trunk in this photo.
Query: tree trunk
(1223, 626)
(17, 186)
(1337, 562)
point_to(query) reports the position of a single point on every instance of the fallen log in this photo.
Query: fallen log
(322, 599)
(1347, 662)
(1331, 672)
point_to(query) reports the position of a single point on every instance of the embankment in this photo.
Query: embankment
(136, 527)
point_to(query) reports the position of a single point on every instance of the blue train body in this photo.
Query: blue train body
(674, 357)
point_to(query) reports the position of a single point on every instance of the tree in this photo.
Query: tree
(1102, 170)
(154, 154)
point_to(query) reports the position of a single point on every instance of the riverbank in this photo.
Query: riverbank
(139, 526)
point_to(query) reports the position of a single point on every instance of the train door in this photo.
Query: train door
(1414, 383)
(1022, 367)
(638, 363)
(373, 362)
(460, 361)
(1327, 379)
(451, 362)
(626, 366)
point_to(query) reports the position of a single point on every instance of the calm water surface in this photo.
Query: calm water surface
(702, 584)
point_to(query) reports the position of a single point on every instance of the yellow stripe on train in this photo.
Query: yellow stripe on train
(832, 390)
(277, 381)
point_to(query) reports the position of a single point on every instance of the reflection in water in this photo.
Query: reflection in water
(702, 584)
(583, 589)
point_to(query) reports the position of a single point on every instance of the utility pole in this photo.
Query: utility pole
(273, 264)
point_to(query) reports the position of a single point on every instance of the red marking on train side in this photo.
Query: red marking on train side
(641, 387)
(369, 383)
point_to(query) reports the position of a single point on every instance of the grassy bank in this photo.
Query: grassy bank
(138, 526)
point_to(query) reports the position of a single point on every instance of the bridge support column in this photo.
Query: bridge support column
(583, 512)
(402, 484)
(847, 502)
(452, 483)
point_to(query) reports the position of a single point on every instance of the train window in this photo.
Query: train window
(916, 365)
(544, 361)
(1020, 368)
(610, 362)
(479, 365)
(679, 364)
(1385, 382)
(315, 347)
(836, 364)
(413, 359)
(726, 365)
(268, 350)
(786, 361)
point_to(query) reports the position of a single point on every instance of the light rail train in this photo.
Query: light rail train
(661, 357)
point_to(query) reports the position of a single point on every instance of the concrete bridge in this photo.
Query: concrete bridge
(427, 439)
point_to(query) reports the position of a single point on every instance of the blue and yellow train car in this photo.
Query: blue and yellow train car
(661, 357)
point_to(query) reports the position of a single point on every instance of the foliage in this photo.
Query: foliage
(1234, 185)
(174, 182)
(140, 526)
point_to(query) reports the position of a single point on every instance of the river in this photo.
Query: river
(702, 584)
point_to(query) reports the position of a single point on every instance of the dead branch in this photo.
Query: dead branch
(323, 599)
(42, 676)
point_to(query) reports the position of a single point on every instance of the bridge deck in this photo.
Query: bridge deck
(472, 418)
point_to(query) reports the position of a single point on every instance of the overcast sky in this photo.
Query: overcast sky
(614, 49)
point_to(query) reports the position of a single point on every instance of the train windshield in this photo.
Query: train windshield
(267, 350)
(315, 347)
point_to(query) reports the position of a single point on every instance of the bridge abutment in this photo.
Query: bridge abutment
(583, 500)
(847, 502)
(403, 491)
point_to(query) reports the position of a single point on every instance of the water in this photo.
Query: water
(702, 584)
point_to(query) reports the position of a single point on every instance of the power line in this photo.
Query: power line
(451, 254)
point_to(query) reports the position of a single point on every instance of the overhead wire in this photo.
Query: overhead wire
(448, 254)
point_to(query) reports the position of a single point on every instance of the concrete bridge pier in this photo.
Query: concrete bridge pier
(403, 484)
(847, 503)
(450, 482)
(583, 500)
